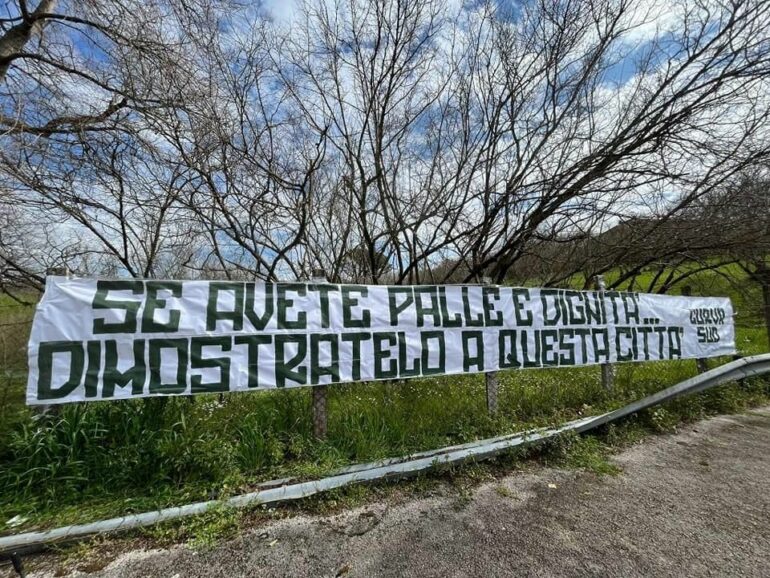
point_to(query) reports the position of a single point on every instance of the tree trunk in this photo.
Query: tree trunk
(766, 305)
(13, 41)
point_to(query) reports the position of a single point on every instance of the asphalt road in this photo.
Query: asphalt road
(692, 504)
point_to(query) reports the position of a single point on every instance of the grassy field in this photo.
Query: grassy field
(103, 459)
(724, 281)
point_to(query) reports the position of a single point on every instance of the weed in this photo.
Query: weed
(464, 495)
(215, 525)
(504, 492)
(663, 420)
(200, 532)
(590, 454)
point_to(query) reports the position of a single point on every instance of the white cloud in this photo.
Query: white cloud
(282, 10)
(649, 19)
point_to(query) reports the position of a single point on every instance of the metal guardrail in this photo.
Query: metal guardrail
(14, 545)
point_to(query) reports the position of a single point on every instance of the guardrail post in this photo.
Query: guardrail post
(741, 381)
(701, 365)
(608, 370)
(18, 565)
(319, 391)
(491, 380)
(491, 377)
(319, 412)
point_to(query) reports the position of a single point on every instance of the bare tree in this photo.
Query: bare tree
(382, 141)
(523, 134)
(79, 88)
(738, 214)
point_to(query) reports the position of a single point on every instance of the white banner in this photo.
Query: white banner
(118, 339)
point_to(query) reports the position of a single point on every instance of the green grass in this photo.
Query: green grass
(102, 459)
(723, 281)
(15, 324)
(589, 453)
